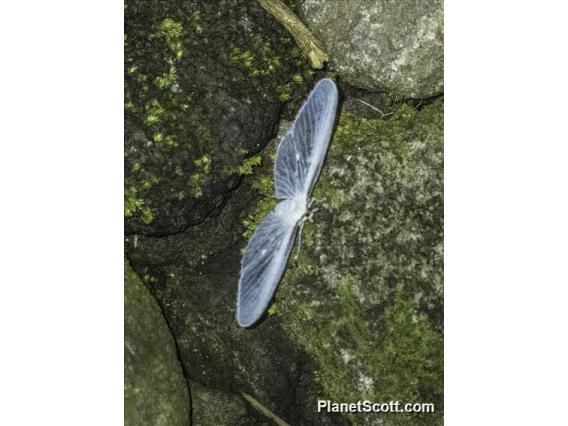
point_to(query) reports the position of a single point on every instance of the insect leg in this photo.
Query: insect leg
(311, 215)
(300, 238)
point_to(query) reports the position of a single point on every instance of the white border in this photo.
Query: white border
(61, 213)
(505, 213)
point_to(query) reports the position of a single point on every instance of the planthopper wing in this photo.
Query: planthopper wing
(302, 150)
(262, 266)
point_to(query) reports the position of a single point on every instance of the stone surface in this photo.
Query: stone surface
(365, 298)
(155, 391)
(359, 315)
(194, 276)
(393, 46)
(210, 407)
(204, 85)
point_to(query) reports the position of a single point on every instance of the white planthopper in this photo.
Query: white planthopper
(298, 162)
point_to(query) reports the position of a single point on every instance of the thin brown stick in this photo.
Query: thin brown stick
(310, 46)
(383, 115)
(264, 411)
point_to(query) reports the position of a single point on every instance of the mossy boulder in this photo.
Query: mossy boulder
(204, 85)
(391, 46)
(365, 298)
(155, 391)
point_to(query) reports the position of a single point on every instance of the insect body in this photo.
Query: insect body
(292, 210)
(298, 162)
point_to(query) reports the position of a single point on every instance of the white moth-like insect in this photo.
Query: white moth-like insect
(298, 162)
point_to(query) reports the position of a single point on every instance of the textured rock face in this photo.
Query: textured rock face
(194, 276)
(394, 46)
(210, 407)
(155, 391)
(204, 83)
(358, 316)
(365, 298)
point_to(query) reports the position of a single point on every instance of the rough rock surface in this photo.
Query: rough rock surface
(204, 84)
(194, 276)
(155, 391)
(394, 46)
(359, 315)
(365, 297)
(210, 407)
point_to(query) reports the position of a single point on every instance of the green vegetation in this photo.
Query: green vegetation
(261, 60)
(133, 205)
(171, 128)
(264, 186)
(248, 165)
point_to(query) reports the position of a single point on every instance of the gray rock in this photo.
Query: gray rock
(394, 46)
(155, 391)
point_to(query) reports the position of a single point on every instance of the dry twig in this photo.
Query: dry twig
(310, 46)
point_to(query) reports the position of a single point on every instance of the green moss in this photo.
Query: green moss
(171, 32)
(195, 185)
(405, 365)
(285, 92)
(155, 111)
(196, 180)
(147, 215)
(248, 165)
(245, 58)
(262, 61)
(393, 98)
(273, 309)
(158, 107)
(171, 106)
(133, 204)
(204, 163)
(264, 186)
(149, 181)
